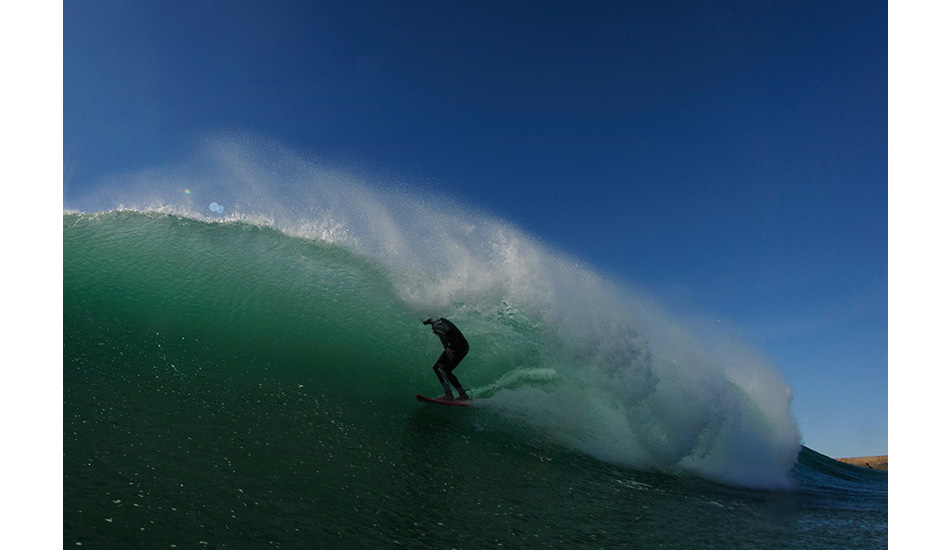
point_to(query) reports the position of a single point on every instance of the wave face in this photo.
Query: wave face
(240, 362)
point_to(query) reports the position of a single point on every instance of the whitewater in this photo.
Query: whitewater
(243, 341)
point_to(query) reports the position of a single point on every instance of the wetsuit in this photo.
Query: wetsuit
(452, 339)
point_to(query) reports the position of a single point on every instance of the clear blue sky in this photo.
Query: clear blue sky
(731, 157)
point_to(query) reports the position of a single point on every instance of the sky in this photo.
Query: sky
(729, 157)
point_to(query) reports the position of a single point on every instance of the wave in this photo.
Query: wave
(256, 252)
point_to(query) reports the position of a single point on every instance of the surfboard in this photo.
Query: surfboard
(425, 399)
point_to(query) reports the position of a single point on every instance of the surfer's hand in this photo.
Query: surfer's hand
(450, 353)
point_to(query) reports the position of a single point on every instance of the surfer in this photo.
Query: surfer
(456, 346)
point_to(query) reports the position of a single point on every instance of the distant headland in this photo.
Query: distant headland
(872, 462)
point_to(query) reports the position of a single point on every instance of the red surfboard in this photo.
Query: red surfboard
(425, 399)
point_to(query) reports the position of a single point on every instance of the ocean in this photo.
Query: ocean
(241, 372)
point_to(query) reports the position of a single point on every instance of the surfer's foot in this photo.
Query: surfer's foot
(463, 397)
(446, 397)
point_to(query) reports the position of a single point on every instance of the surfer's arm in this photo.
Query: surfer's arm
(446, 343)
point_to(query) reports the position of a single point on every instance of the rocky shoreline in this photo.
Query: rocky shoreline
(872, 462)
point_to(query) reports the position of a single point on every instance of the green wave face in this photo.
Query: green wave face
(240, 291)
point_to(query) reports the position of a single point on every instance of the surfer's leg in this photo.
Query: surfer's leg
(443, 375)
(452, 379)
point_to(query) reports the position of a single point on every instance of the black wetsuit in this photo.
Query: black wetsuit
(452, 339)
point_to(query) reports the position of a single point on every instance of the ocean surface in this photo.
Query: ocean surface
(243, 344)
